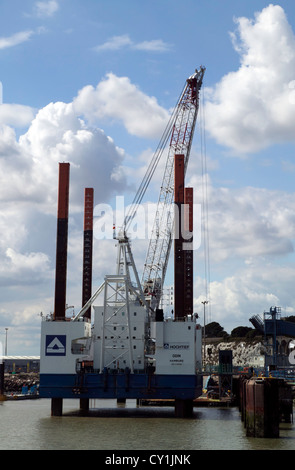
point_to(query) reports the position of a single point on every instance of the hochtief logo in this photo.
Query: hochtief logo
(176, 346)
(55, 345)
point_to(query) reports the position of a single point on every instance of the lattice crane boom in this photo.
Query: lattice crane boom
(181, 131)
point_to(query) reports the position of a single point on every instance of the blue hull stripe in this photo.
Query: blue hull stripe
(91, 385)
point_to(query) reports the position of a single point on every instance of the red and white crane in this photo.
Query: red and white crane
(180, 131)
(176, 139)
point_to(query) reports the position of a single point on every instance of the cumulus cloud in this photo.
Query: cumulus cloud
(57, 134)
(248, 222)
(252, 108)
(35, 262)
(117, 98)
(14, 229)
(16, 115)
(29, 165)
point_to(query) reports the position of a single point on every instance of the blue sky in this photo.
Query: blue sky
(93, 82)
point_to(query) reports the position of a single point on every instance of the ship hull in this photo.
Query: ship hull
(120, 386)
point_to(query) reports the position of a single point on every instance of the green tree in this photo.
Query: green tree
(214, 330)
(291, 318)
(240, 331)
(253, 333)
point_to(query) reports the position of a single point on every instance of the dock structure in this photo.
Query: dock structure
(264, 402)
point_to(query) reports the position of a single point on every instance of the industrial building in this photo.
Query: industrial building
(17, 364)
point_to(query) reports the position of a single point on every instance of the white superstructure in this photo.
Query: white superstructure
(63, 343)
(178, 347)
(119, 339)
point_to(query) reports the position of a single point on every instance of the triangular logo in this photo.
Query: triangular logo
(55, 345)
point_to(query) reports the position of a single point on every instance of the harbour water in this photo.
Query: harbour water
(28, 425)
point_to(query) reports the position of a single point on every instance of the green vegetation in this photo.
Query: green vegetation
(215, 330)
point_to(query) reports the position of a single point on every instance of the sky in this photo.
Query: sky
(93, 83)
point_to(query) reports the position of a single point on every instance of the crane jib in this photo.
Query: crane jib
(182, 131)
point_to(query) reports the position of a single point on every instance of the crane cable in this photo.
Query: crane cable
(162, 146)
(205, 218)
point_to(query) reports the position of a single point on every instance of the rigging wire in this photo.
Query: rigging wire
(162, 146)
(205, 223)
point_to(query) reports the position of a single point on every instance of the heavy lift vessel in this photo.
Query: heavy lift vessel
(130, 350)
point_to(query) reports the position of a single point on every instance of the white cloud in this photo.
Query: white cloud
(249, 291)
(16, 115)
(155, 45)
(252, 108)
(249, 222)
(117, 98)
(15, 39)
(14, 229)
(124, 41)
(56, 134)
(115, 43)
(36, 262)
(46, 8)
